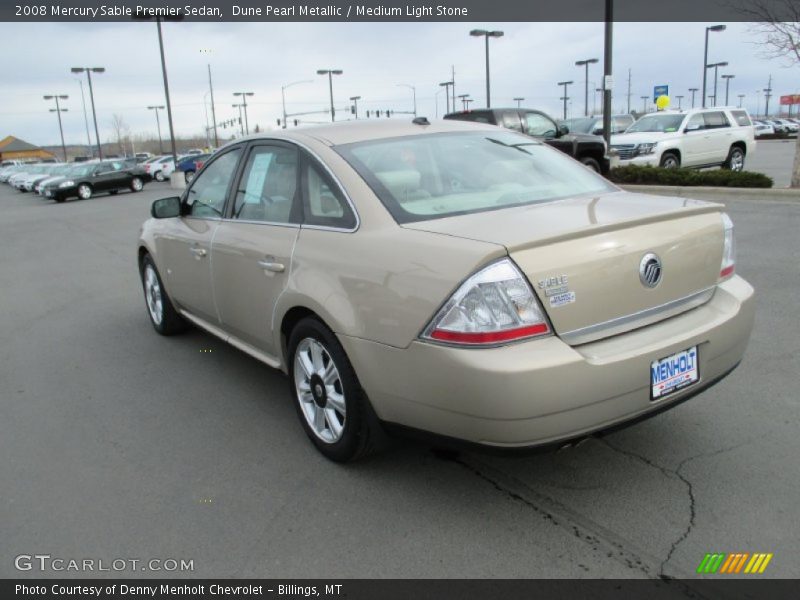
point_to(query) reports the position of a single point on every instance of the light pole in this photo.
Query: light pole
(715, 28)
(716, 70)
(467, 102)
(89, 71)
(283, 96)
(85, 118)
(414, 94)
(519, 100)
(211, 91)
(244, 96)
(565, 97)
(693, 90)
(741, 98)
(446, 85)
(767, 96)
(354, 100)
(463, 101)
(330, 73)
(158, 125)
(585, 64)
(58, 110)
(679, 101)
(644, 103)
(727, 79)
(241, 123)
(486, 35)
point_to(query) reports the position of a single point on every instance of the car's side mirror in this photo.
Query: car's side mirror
(166, 208)
(562, 130)
(690, 128)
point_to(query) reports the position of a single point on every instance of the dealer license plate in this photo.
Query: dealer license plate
(674, 373)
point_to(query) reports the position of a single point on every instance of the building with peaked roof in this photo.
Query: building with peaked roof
(12, 148)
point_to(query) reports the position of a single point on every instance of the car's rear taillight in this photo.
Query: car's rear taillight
(494, 306)
(728, 250)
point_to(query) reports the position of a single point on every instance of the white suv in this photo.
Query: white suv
(701, 137)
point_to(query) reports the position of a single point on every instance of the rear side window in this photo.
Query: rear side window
(741, 117)
(324, 203)
(716, 120)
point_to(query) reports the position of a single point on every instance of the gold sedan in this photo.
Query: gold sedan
(452, 278)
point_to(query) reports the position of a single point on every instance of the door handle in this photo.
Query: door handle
(198, 252)
(269, 265)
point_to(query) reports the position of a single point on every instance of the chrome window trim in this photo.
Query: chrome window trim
(636, 320)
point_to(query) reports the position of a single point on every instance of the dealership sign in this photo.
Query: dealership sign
(790, 99)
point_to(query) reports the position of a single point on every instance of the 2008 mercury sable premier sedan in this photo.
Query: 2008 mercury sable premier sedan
(449, 277)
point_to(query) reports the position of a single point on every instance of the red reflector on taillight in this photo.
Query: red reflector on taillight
(727, 271)
(489, 337)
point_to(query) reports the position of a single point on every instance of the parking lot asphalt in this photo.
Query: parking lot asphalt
(773, 158)
(119, 443)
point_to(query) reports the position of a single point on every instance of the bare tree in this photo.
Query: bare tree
(777, 24)
(121, 131)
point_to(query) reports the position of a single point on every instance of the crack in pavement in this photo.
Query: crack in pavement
(674, 473)
(599, 538)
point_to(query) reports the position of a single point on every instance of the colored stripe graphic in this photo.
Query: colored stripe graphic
(734, 562)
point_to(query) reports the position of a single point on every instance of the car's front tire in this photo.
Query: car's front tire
(735, 160)
(85, 191)
(137, 184)
(332, 407)
(670, 160)
(591, 163)
(165, 319)
(159, 176)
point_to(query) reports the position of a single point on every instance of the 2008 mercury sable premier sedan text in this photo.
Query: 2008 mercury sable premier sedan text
(449, 277)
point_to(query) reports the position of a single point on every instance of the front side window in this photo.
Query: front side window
(696, 123)
(206, 197)
(268, 188)
(439, 175)
(539, 125)
(664, 123)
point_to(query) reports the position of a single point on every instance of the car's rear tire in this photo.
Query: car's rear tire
(670, 160)
(85, 191)
(735, 160)
(590, 162)
(165, 319)
(137, 185)
(159, 176)
(332, 407)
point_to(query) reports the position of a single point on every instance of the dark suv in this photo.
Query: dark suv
(588, 149)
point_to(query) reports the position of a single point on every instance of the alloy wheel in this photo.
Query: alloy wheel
(152, 293)
(319, 390)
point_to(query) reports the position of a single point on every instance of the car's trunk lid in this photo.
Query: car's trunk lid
(583, 256)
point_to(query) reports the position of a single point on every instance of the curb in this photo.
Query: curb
(791, 194)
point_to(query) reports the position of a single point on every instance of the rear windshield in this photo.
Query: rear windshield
(426, 177)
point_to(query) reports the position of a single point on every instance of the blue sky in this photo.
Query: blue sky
(375, 57)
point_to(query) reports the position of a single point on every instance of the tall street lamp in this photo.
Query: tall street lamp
(283, 96)
(715, 28)
(89, 71)
(446, 85)
(565, 97)
(486, 35)
(414, 94)
(644, 103)
(679, 101)
(158, 125)
(211, 91)
(330, 73)
(463, 101)
(58, 110)
(241, 122)
(716, 70)
(354, 100)
(585, 64)
(519, 100)
(85, 118)
(244, 96)
(693, 90)
(727, 79)
(741, 97)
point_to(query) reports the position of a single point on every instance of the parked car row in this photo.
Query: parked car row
(61, 181)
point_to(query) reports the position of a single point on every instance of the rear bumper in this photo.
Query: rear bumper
(544, 391)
